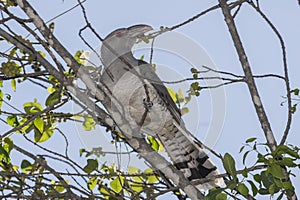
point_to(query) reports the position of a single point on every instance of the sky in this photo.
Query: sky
(224, 117)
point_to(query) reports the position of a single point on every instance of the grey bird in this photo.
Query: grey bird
(139, 95)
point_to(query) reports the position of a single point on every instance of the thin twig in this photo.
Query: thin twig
(285, 68)
(256, 100)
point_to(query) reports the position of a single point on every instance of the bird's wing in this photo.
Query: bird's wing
(184, 149)
(149, 74)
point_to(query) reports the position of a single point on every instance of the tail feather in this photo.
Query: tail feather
(188, 156)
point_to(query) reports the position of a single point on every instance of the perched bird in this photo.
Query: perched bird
(141, 98)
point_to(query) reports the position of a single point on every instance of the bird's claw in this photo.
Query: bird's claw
(147, 104)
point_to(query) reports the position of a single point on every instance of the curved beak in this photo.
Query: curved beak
(138, 30)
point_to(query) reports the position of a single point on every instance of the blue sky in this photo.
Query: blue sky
(210, 33)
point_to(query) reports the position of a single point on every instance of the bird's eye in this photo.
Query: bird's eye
(121, 33)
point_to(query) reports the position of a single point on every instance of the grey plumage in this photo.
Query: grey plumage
(140, 96)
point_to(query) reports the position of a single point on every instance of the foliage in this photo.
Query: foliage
(271, 179)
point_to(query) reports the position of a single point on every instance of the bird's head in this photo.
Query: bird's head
(121, 41)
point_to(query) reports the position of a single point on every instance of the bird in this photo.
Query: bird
(139, 95)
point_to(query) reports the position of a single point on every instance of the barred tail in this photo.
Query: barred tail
(188, 157)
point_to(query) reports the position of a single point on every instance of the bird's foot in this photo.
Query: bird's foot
(147, 104)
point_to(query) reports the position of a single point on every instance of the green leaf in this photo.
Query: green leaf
(76, 117)
(151, 179)
(242, 188)
(266, 179)
(4, 155)
(104, 191)
(39, 124)
(53, 79)
(52, 98)
(288, 185)
(144, 39)
(59, 187)
(133, 170)
(97, 151)
(295, 91)
(51, 89)
(179, 96)
(153, 142)
(245, 172)
(276, 171)
(47, 134)
(184, 110)
(51, 26)
(88, 123)
(172, 94)
(81, 151)
(92, 182)
(42, 54)
(12, 120)
(26, 129)
(137, 187)
(260, 158)
(214, 193)
(77, 57)
(231, 184)
(10, 68)
(257, 178)
(289, 162)
(250, 140)
(9, 3)
(92, 164)
(278, 183)
(26, 166)
(1, 98)
(272, 189)
(117, 184)
(229, 165)
(13, 52)
(263, 191)
(37, 135)
(32, 107)
(283, 149)
(13, 85)
(44, 136)
(245, 156)
(194, 70)
(294, 108)
(195, 86)
(221, 196)
(253, 188)
(8, 144)
(241, 149)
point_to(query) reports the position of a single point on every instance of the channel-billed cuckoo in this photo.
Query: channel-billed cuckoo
(138, 94)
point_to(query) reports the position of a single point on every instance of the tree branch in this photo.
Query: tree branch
(285, 68)
(256, 100)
